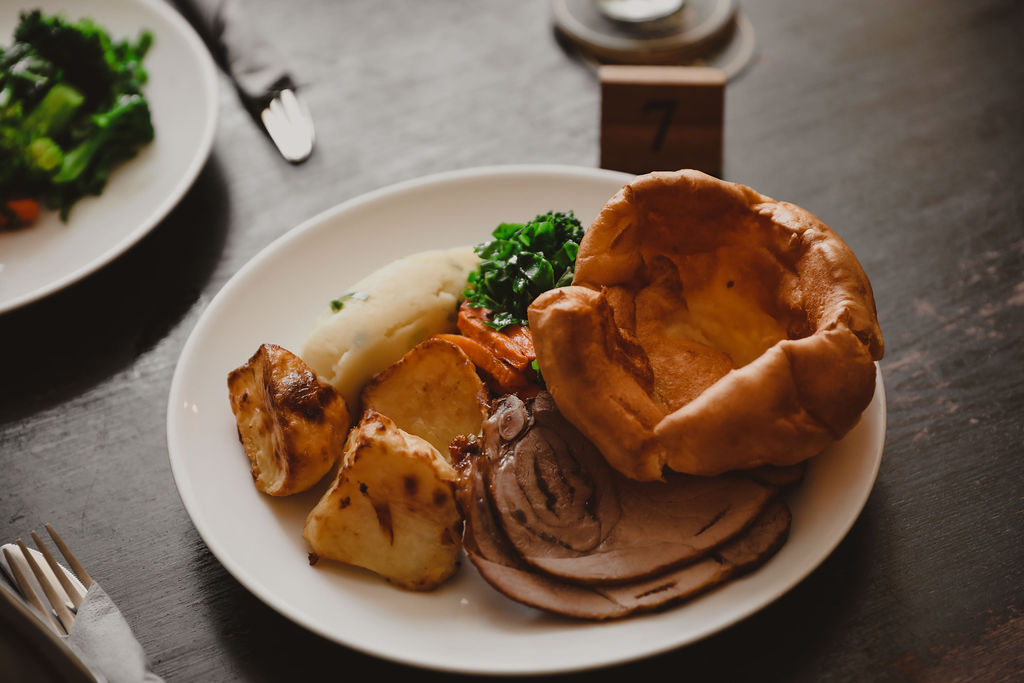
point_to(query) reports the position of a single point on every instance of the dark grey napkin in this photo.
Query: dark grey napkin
(254, 64)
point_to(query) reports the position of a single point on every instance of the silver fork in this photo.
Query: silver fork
(290, 126)
(63, 594)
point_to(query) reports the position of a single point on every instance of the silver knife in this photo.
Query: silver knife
(258, 71)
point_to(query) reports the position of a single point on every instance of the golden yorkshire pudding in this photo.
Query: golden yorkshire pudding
(708, 328)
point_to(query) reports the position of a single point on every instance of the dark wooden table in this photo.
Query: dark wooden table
(900, 124)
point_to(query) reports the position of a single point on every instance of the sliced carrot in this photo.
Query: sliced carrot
(501, 377)
(522, 338)
(485, 360)
(513, 344)
(25, 211)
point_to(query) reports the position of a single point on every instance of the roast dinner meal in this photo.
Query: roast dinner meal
(605, 421)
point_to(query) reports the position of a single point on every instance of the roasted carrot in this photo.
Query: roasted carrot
(21, 211)
(521, 335)
(486, 361)
(513, 344)
(501, 377)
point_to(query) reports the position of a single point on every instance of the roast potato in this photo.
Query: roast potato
(391, 508)
(432, 392)
(291, 424)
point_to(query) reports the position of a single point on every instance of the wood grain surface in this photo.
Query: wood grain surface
(901, 124)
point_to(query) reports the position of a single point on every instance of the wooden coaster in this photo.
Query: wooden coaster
(662, 118)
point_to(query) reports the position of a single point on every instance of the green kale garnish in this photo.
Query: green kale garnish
(523, 261)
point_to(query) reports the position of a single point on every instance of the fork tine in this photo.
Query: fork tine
(277, 107)
(30, 595)
(76, 566)
(298, 112)
(70, 588)
(63, 613)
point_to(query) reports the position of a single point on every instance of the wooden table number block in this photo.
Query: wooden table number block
(662, 118)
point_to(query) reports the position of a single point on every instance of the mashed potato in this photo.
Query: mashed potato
(384, 315)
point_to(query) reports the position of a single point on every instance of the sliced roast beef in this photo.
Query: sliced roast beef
(781, 477)
(565, 512)
(501, 566)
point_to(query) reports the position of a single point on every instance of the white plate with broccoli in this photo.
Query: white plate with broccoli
(82, 133)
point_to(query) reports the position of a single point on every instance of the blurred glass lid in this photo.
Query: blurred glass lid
(676, 32)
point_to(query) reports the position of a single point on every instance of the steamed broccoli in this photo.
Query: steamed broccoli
(71, 108)
(115, 136)
(99, 67)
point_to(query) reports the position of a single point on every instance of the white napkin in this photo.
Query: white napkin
(102, 639)
(104, 642)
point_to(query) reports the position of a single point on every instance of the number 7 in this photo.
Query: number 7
(669, 108)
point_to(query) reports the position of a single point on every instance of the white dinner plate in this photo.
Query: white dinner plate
(182, 93)
(465, 625)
